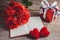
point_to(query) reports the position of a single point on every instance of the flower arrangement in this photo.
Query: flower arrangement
(15, 14)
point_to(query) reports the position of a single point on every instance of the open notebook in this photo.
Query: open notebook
(34, 22)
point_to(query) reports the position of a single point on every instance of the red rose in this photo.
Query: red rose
(16, 11)
(23, 18)
(12, 23)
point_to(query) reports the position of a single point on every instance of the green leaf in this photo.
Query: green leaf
(28, 3)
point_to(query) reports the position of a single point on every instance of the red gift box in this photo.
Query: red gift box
(48, 12)
(49, 15)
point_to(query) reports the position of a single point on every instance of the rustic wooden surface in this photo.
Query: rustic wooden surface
(53, 27)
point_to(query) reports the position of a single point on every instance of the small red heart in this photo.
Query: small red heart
(34, 33)
(44, 32)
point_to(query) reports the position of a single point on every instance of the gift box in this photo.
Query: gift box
(48, 12)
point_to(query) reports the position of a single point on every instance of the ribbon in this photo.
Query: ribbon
(46, 6)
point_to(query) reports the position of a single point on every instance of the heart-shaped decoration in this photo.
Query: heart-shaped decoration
(34, 33)
(44, 32)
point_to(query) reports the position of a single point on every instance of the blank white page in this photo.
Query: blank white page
(35, 22)
(21, 30)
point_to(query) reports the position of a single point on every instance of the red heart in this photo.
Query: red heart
(44, 32)
(34, 33)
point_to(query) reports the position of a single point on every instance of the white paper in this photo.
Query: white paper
(21, 30)
(34, 22)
